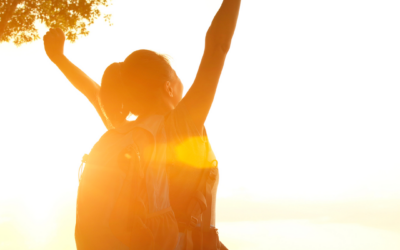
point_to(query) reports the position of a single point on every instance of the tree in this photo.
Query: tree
(18, 18)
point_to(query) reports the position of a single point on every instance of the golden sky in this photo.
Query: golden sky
(305, 123)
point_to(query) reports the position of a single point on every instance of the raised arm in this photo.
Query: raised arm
(200, 96)
(54, 46)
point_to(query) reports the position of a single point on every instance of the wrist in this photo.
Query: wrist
(58, 59)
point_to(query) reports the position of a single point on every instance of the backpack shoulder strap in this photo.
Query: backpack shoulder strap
(210, 179)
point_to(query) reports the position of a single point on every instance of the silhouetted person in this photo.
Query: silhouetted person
(146, 85)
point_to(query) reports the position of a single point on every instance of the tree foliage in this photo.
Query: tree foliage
(18, 18)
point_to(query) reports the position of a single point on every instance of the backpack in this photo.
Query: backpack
(119, 201)
(194, 220)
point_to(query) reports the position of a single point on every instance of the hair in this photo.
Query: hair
(131, 87)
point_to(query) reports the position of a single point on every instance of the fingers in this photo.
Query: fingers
(55, 33)
(46, 37)
(59, 32)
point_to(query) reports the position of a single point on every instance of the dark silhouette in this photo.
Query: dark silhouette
(168, 135)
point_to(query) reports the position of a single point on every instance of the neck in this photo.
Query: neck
(159, 110)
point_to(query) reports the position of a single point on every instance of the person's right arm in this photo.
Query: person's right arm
(54, 46)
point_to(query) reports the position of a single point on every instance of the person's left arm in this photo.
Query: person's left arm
(200, 96)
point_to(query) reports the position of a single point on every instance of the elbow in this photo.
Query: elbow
(224, 47)
(218, 42)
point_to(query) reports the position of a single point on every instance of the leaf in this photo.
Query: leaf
(72, 16)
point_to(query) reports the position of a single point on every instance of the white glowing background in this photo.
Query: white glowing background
(306, 122)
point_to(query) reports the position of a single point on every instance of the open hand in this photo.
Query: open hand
(54, 44)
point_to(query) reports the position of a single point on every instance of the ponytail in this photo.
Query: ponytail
(112, 95)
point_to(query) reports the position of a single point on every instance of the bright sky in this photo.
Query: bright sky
(306, 119)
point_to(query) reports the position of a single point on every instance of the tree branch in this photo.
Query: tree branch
(7, 16)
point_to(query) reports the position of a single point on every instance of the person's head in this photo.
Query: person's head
(144, 83)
